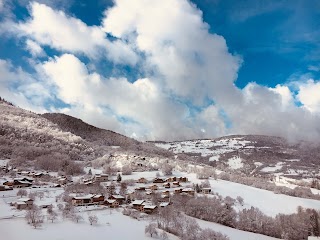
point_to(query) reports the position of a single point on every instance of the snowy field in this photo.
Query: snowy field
(111, 225)
(206, 147)
(233, 234)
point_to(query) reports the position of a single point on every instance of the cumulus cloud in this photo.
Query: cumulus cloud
(191, 62)
(185, 87)
(57, 30)
(34, 48)
(309, 95)
(30, 94)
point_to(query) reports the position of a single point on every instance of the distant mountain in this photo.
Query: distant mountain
(252, 154)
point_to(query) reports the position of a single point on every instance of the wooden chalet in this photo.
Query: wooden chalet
(149, 209)
(178, 190)
(182, 179)
(188, 191)
(138, 204)
(158, 180)
(101, 178)
(176, 184)
(153, 187)
(142, 180)
(206, 190)
(166, 185)
(120, 199)
(112, 203)
(23, 203)
(90, 199)
(171, 179)
(5, 188)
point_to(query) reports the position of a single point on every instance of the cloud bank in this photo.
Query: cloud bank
(186, 76)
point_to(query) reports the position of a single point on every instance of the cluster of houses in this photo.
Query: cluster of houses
(165, 186)
(18, 182)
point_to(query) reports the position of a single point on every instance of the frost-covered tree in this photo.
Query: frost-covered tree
(93, 219)
(22, 192)
(34, 217)
(166, 169)
(151, 230)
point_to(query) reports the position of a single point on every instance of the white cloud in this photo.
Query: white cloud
(183, 69)
(34, 48)
(309, 95)
(55, 29)
(177, 45)
(30, 94)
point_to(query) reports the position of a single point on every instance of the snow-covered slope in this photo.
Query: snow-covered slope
(252, 153)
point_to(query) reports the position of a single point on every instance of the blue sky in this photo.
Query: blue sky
(212, 67)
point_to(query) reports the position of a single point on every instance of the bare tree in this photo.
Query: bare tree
(52, 215)
(240, 200)
(34, 217)
(76, 217)
(151, 229)
(93, 219)
(164, 235)
(166, 169)
(22, 192)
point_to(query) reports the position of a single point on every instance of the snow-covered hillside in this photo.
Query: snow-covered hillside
(252, 154)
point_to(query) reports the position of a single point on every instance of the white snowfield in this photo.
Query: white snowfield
(206, 147)
(233, 234)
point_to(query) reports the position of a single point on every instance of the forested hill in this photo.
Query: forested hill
(26, 136)
(88, 132)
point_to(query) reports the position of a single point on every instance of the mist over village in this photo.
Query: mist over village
(149, 119)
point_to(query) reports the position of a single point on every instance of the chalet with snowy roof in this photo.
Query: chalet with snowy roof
(182, 179)
(158, 180)
(176, 184)
(90, 199)
(206, 190)
(120, 199)
(112, 203)
(166, 193)
(149, 209)
(188, 191)
(153, 187)
(5, 188)
(166, 185)
(140, 188)
(98, 199)
(23, 203)
(142, 180)
(101, 178)
(138, 204)
(164, 204)
(82, 200)
(171, 179)
(178, 190)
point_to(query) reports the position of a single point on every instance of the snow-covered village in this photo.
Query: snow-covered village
(159, 119)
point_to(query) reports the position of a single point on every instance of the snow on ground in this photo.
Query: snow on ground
(111, 225)
(3, 162)
(235, 163)
(206, 147)
(274, 168)
(233, 234)
(267, 201)
(214, 158)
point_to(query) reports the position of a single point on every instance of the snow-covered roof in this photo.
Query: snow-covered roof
(137, 202)
(187, 190)
(24, 199)
(149, 206)
(118, 197)
(111, 200)
(89, 196)
(20, 203)
(164, 204)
